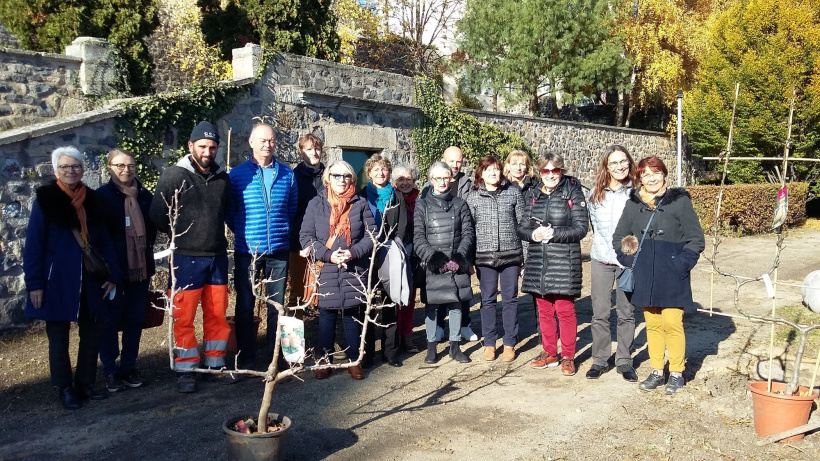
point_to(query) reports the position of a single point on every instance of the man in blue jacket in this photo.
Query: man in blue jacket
(263, 204)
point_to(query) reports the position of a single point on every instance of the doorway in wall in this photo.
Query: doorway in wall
(356, 158)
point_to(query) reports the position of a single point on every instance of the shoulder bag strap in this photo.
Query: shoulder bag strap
(645, 231)
(79, 238)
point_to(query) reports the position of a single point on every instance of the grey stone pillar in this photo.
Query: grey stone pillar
(97, 72)
(246, 61)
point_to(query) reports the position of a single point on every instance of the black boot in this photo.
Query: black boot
(456, 354)
(431, 353)
(68, 398)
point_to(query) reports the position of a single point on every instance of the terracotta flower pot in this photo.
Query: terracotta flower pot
(257, 447)
(232, 337)
(775, 412)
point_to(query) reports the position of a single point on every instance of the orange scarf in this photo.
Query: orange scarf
(134, 233)
(77, 199)
(340, 212)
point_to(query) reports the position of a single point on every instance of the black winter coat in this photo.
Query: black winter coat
(339, 283)
(395, 220)
(308, 185)
(115, 214)
(669, 252)
(443, 225)
(554, 267)
(53, 261)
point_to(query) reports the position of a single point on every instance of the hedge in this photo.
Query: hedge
(747, 208)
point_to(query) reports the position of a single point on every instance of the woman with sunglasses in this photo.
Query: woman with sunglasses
(554, 222)
(671, 248)
(127, 205)
(334, 232)
(66, 217)
(613, 181)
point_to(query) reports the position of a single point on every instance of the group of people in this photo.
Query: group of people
(510, 223)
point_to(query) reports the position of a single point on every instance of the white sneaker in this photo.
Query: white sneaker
(439, 334)
(468, 334)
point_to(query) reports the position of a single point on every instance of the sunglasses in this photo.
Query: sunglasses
(341, 177)
(555, 171)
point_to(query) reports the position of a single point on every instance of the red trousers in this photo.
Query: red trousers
(562, 307)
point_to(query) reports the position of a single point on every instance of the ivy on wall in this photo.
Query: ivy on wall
(440, 125)
(145, 125)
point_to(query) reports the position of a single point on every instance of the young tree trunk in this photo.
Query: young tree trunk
(619, 111)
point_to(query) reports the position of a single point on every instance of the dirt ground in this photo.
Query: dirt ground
(447, 410)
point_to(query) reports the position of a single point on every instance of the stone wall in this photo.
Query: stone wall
(7, 39)
(581, 144)
(350, 108)
(37, 86)
(346, 106)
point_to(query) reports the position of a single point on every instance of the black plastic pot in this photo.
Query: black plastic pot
(254, 447)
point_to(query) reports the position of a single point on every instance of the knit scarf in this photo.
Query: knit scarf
(649, 198)
(134, 233)
(380, 199)
(410, 201)
(340, 212)
(77, 199)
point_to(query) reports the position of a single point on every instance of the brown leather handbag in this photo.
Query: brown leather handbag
(310, 276)
(93, 261)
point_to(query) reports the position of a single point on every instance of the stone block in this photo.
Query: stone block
(45, 110)
(97, 71)
(5, 88)
(12, 210)
(42, 89)
(5, 109)
(17, 78)
(246, 61)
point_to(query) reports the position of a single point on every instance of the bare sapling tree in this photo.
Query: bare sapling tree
(367, 295)
(771, 273)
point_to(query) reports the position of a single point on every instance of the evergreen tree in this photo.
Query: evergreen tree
(567, 45)
(51, 25)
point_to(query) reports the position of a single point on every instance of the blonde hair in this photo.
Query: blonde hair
(348, 169)
(516, 154)
(118, 151)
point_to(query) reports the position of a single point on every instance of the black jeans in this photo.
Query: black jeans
(389, 334)
(59, 362)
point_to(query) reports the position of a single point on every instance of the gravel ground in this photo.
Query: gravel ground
(442, 411)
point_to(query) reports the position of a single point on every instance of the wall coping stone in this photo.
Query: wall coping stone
(41, 54)
(478, 113)
(56, 126)
(322, 62)
(322, 99)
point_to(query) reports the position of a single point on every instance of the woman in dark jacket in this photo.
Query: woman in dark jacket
(555, 221)
(60, 290)
(390, 214)
(133, 236)
(335, 229)
(404, 179)
(497, 207)
(518, 171)
(444, 240)
(671, 248)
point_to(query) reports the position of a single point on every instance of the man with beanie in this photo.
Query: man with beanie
(201, 256)
(263, 204)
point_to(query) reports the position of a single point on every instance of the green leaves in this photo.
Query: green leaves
(440, 126)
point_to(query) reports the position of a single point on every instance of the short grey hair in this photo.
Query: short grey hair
(67, 151)
(439, 166)
(414, 172)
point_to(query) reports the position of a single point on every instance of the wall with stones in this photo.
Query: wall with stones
(37, 86)
(581, 144)
(7, 39)
(348, 107)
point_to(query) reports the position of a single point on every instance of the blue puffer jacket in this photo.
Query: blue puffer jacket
(261, 227)
(339, 284)
(52, 259)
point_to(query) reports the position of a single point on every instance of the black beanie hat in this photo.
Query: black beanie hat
(204, 130)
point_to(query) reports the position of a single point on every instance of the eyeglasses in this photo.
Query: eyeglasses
(122, 166)
(341, 177)
(654, 174)
(624, 162)
(66, 168)
(442, 179)
(555, 171)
